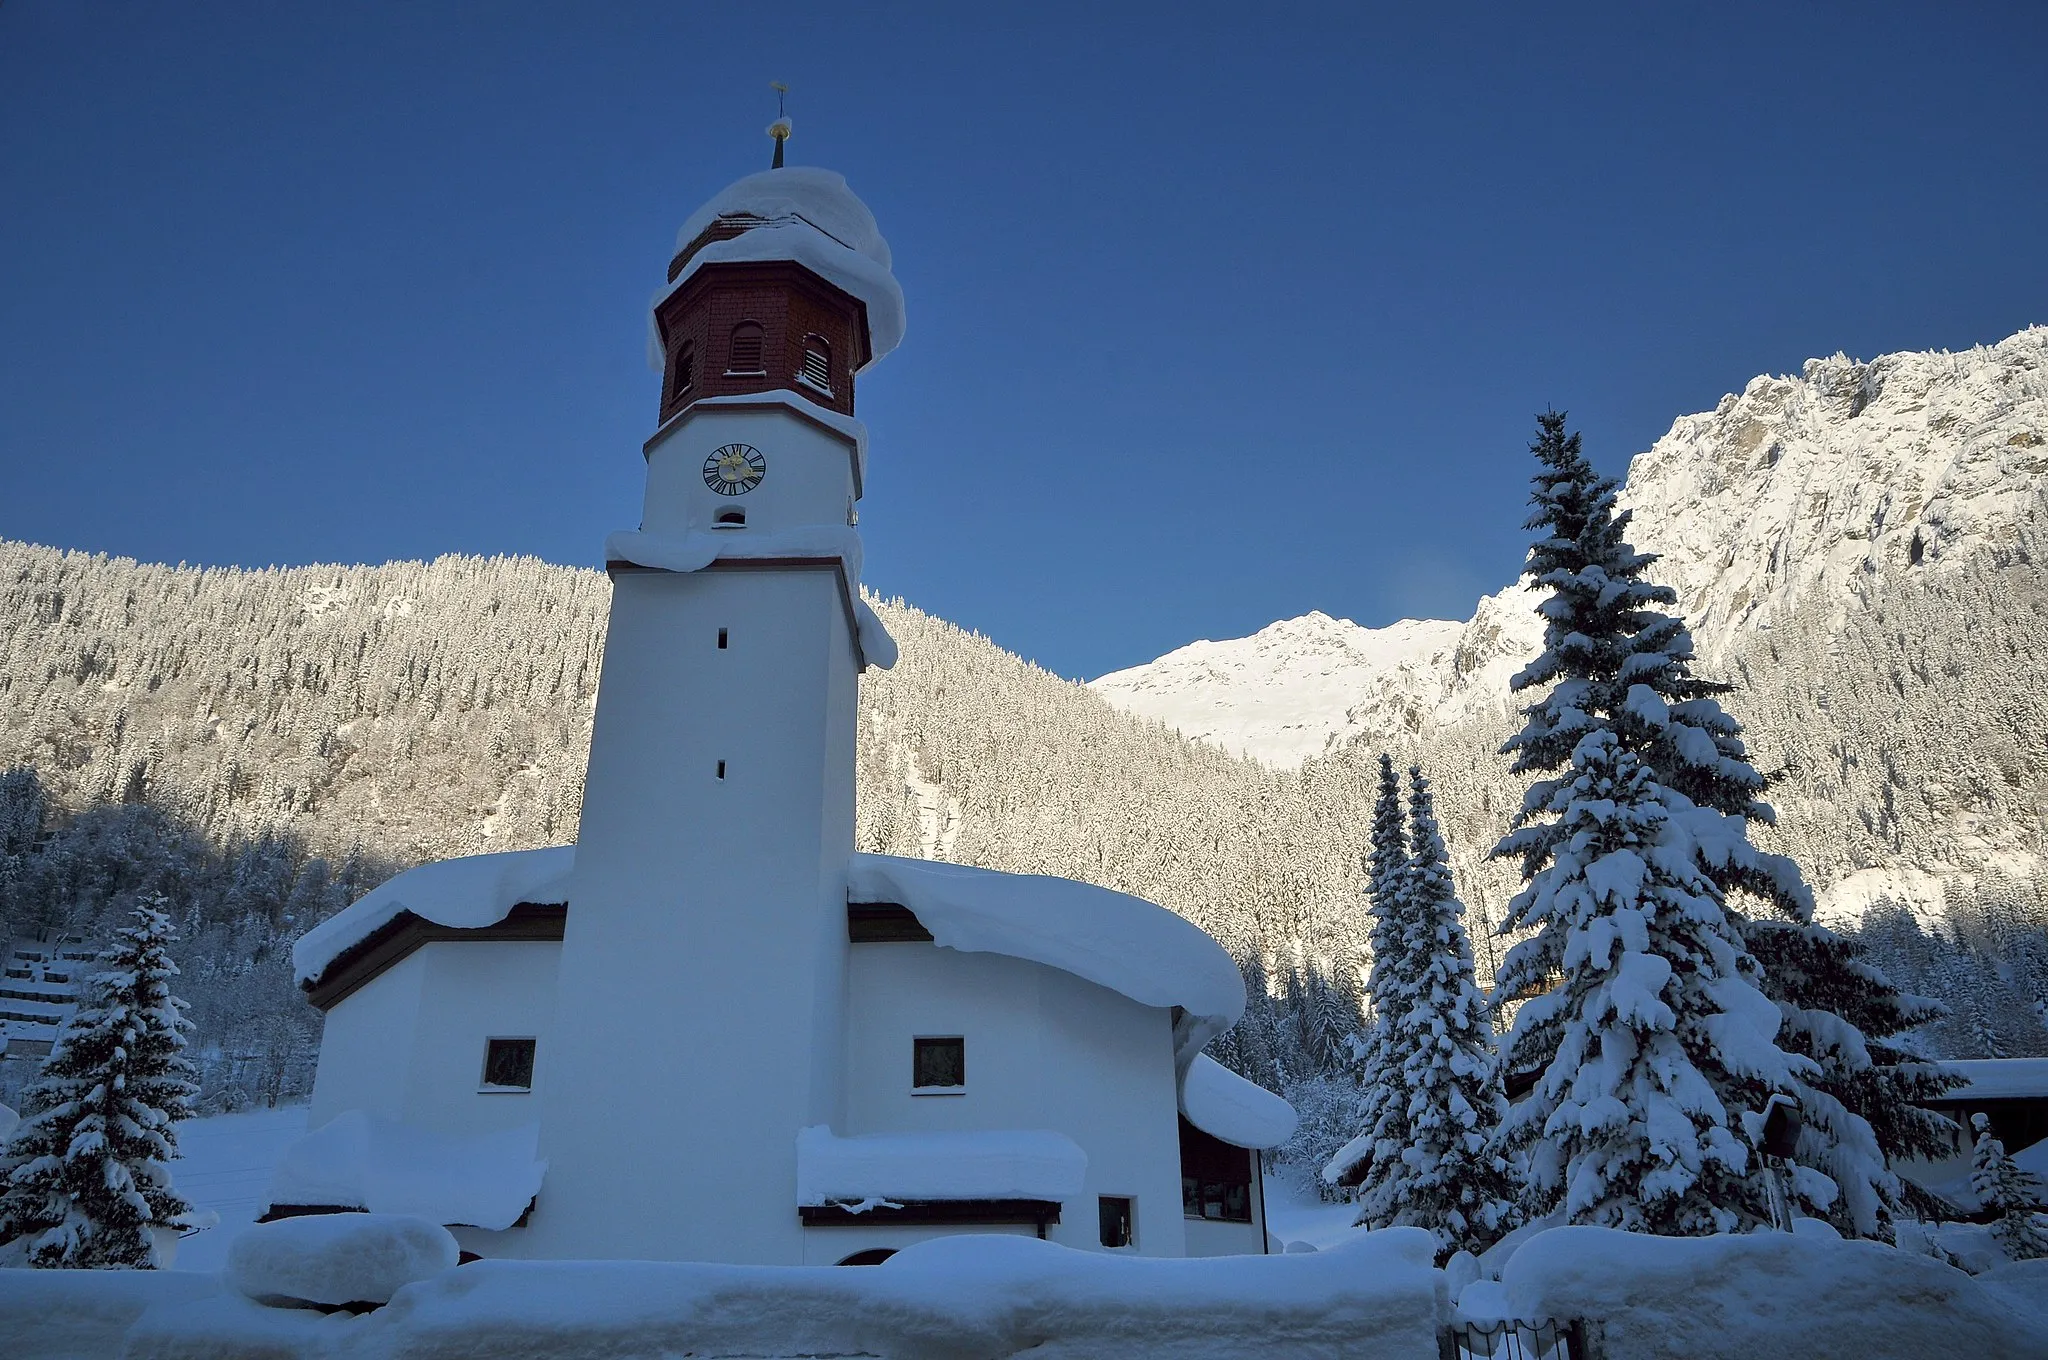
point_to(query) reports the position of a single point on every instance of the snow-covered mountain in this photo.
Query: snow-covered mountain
(1283, 694)
(1797, 488)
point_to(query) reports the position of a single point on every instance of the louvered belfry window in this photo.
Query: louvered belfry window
(818, 362)
(746, 348)
(686, 369)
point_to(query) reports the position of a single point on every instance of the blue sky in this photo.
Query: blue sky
(1217, 314)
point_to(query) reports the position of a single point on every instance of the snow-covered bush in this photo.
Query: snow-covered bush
(86, 1177)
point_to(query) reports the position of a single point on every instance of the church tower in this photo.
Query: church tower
(703, 969)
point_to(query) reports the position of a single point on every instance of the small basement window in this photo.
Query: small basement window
(508, 1065)
(938, 1066)
(1115, 1211)
(745, 355)
(817, 367)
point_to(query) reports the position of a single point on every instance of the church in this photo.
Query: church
(710, 1030)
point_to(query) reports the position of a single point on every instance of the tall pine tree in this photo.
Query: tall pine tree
(1654, 1041)
(1371, 1160)
(1457, 1183)
(86, 1175)
(1614, 660)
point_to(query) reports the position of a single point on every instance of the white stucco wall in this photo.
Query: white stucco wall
(366, 1046)
(1044, 1050)
(809, 477)
(409, 1044)
(705, 946)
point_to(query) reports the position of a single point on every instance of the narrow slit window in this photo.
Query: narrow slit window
(721, 769)
(746, 348)
(938, 1064)
(508, 1065)
(686, 369)
(817, 369)
(721, 639)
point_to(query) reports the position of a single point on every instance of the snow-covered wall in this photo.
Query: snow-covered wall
(409, 1044)
(1044, 1050)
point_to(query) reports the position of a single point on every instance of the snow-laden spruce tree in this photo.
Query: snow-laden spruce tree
(1371, 1161)
(1453, 1180)
(85, 1176)
(2007, 1192)
(1614, 660)
(1653, 1039)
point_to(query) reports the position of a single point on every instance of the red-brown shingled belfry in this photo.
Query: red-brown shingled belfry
(740, 327)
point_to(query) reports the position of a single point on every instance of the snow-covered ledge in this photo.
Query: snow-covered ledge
(364, 1161)
(698, 549)
(886, 1169)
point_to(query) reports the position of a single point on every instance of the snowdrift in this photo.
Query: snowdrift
(962, 1298)
(1774, 1294)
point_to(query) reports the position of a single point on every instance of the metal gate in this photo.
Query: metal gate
(1514, 1341)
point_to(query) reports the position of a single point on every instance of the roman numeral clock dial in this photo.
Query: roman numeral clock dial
(734, 469)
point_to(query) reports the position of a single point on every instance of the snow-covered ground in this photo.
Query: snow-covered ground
(224, 1165)
(1295, 1213)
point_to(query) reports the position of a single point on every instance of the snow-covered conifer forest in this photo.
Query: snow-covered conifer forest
(1857, 549)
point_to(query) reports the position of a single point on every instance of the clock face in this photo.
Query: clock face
(735, 469)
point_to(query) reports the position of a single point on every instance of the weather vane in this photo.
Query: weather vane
(779, 129)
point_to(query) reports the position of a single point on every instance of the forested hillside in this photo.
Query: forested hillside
(265, 745)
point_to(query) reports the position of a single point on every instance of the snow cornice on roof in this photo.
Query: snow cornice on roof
(1112, 939)
(819, 545)
(465, 895)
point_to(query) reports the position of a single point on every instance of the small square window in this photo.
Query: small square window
(938, 1063)
(1116, 1220)
(508, 1065)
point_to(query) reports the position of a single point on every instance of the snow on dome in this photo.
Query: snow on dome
(1110, 938)
(809, 216)
(1224, 1105)
(894, 1167)
(467, 893)
(818, 196)
(365, 1161)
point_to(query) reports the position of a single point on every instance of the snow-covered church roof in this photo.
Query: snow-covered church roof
(806, 215)
(1117, 941)
(467, 894)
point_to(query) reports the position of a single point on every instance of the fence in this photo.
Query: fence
(1515, 1341)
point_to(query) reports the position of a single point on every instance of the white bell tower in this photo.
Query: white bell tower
(702, 977)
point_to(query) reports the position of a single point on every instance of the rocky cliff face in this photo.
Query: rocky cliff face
(1814, 486)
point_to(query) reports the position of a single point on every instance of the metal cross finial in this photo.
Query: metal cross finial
(779, 129)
